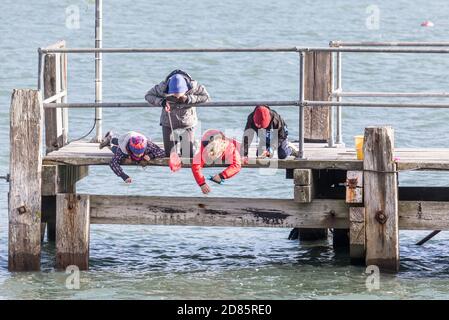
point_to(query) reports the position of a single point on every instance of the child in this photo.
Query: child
(132, 145)
(264, 118)
(214, 145)
(181, 93)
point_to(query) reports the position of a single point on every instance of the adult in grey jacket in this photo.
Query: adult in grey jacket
(180, 90)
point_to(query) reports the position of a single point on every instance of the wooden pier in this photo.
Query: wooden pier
(359, 199)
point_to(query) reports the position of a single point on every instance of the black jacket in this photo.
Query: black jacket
(276, 123)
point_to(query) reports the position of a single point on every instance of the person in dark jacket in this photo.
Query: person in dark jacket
(267, 121)
(175, 95)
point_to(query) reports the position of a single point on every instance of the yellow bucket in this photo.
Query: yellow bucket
(359, 146)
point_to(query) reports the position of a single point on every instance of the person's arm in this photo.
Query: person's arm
(248, 136)
(197, 166)
(235, 166)
(200, 95)
(154, 96)
(115, 164)
(282, 130)
(154, 151)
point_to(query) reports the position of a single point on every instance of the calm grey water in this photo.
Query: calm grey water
(157, 262)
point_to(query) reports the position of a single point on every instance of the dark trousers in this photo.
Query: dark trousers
(185, 139)
(284, 150)
(114, 145)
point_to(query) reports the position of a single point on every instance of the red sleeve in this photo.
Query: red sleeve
(197, 164)
(233, 154)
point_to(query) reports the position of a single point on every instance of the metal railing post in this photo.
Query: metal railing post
(330, 137)
(39, 69)
(301, 105)
(98, 67)
(339, 137)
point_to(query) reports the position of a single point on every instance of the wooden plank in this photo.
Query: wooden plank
(354, 187)
(381, 199)
(72, 231)
(424, 215)
(302, 177)
(26, 115)
(413, 215)
(201, 211)
(318, 75)
(357, 235)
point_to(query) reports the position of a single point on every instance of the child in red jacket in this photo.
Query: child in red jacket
(214, 146)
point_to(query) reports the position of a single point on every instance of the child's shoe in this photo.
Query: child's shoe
(106, 140)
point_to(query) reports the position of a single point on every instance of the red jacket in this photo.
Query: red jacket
(231, 156)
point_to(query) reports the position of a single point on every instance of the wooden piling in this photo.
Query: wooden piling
(317, 77)
(72, 230)
(304, 191)
(26, 115)
(357, 235)
(381, 199)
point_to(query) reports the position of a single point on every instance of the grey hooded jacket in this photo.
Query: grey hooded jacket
(182, 117)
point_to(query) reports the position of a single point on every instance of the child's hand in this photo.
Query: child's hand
(245, 160)
(205, 188)
(128, 181)
(216, 178)
(146, 157)
(167, 106)
(266, 154)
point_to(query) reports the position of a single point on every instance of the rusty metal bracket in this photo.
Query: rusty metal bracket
(381, 217)
(352, 183)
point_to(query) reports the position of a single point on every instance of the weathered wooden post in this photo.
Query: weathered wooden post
(381, 199)
(318, 87)
(354, 196)
(318, 80)
(72, 230)
(56, 129)
(26, 116)
(304, 192)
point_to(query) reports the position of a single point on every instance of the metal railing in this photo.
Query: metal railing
(336, 47)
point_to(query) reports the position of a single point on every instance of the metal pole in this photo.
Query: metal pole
(237, 104)
(272, 49)
(330, 137)
(39, 69)
(388, 44)
(361, 104)
(391, 94)
(227, 104)
(98, 67)
(301, 106)
(339, 88)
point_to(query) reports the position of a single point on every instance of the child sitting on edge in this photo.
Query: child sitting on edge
(132, 145)
(214, 145)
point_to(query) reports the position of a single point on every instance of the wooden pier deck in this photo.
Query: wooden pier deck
(361, 200)
(318, 156)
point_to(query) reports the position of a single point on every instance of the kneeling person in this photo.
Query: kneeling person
(265, 118)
